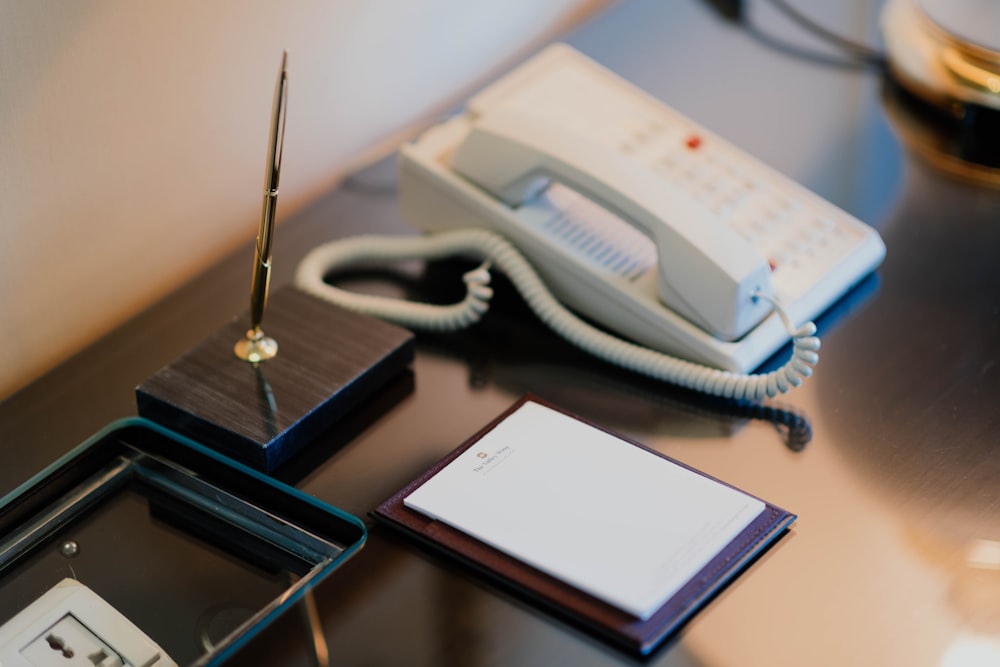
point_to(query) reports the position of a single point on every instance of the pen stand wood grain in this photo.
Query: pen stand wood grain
(329, 362)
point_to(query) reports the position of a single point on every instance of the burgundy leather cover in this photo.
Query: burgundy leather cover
(614, 625)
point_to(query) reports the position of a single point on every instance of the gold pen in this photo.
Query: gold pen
(255, 346)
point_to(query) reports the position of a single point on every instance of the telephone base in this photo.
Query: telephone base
(329, 362)
(597, 240)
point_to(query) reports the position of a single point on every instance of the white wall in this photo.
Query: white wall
(133, 134)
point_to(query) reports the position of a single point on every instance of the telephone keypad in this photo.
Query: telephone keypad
(802, 237)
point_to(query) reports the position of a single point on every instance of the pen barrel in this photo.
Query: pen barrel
(261, 278)
(258, 290)
(267, 217)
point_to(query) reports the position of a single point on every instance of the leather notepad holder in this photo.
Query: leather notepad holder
(627, 632)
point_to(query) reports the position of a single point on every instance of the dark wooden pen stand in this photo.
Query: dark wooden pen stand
(329, 361)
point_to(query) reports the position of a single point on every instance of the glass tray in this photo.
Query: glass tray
(196, 550)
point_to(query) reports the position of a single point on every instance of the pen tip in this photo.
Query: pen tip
(284, 59)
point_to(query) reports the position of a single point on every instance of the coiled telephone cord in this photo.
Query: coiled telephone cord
(496, 251)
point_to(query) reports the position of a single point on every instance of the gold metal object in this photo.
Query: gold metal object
(970, 64)
(971, 72)
(256, 347)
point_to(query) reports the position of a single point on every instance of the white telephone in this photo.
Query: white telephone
(632, 216)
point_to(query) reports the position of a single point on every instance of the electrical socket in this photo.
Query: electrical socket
(69, 642)
(69, 626)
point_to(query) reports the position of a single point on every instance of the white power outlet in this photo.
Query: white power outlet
(71, 626)
(69, 642)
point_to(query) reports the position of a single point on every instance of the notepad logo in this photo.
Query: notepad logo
(488, 461)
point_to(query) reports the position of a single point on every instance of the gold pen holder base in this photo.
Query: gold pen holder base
(255, 347)
(332, 361)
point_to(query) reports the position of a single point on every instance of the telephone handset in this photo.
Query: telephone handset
(598, 200)
(705, 271)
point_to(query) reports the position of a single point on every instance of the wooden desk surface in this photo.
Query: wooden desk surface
(895, 558)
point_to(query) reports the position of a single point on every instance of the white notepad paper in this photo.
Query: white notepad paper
(612, 519)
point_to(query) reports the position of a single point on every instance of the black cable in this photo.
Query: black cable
(862, 52)
(805, 54)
